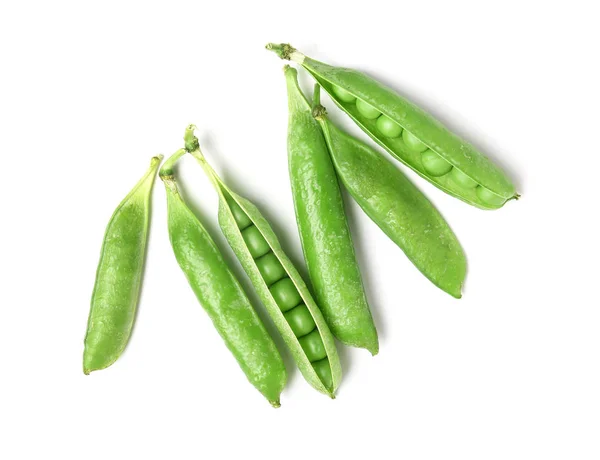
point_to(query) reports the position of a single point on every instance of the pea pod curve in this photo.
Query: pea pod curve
(405, 215)
(221, 294)
(276, 281)
(323, 227)
(119, 276)
(410, 134)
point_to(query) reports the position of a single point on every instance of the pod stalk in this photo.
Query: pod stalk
(286, 51)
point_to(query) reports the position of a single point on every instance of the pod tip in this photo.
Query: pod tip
(276, 404)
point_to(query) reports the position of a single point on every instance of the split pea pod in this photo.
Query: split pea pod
(410, 134)
(276, 281)
(221, 294)
(119, 276)
(404, 214)
(326, 240)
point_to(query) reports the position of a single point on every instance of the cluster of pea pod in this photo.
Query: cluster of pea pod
(320, 156)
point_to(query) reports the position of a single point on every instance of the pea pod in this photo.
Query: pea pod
(404, 214)
(119, 276)
(221, 294)
(410, 134)
(323, 228)
(277, 282)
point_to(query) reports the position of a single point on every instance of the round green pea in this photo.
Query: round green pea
(489, 197)
(323, 370)
(434, 164)
(462, 179)
(300, 320)
(388, 127)
(256, 243)
(313, 347)
(241, 218)
(412, 142)
(367, 110)
(270, 268)
(285, 294)
(343, 95)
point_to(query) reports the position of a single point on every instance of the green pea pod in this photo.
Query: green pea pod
(119, 276)
(410, 134)
(221, 294)
(404, 214)
(323, 228)
(277, 282)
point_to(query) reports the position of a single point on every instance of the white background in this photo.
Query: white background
(89, 92)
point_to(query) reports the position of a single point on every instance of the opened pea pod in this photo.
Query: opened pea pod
(410, 134)
(276, 281)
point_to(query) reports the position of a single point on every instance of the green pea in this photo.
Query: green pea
(489, 197)
(412, 142)
(300, 320)
(312, 344)
(241, 218)
(343, 94)
(462, 179)
(434, 164)
(257, 245)
(323, 370)
(388, 127)
(285, 294)
(270, 268)
(367, 110)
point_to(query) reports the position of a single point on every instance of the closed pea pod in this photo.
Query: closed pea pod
(283, 296)
(405, 215)
(324, 233)
(366, 101)
(221, 295)
(119, 276)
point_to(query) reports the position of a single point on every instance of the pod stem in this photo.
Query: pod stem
(318, 111)
(166, 172)
(192, 146)
(316, 95)
(286, 51)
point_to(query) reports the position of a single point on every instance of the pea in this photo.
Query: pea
(434, 164)
(462, 179)
(412, 142)
(312, 344)
(323, 370)
(343, 94)
(270, 268)
(489, 197)
(241, 218)
(285, 294)
(388, 127)
(300, 320)
(257, 245)
(367, 110)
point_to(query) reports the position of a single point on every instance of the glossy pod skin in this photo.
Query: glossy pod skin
(277, 282)
(221, 295)
(119, 276)
(405, 215)
(326, 240)
(410, 134)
